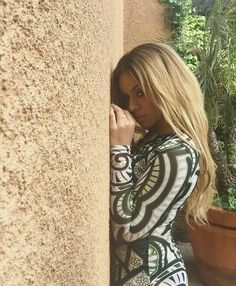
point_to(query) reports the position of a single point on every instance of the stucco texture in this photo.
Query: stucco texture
(143, 21)
(55, 63)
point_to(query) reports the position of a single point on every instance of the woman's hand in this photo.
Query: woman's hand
(122, 126)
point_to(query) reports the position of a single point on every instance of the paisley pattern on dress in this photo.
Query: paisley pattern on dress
(149, 186)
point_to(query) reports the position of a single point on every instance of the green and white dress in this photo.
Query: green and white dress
(149, 185)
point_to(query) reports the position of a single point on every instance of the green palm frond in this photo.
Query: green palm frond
(217, 67)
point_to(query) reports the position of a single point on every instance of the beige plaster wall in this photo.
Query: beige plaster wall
(143, 22)
(117, 31)
(55, 63)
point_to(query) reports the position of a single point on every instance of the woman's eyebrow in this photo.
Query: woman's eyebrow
(124, 94)
(133, 88)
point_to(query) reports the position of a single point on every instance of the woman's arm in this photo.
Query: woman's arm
(166, 182)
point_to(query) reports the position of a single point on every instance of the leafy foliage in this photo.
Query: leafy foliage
(207, 43)
(216, 68)
(227, 201)
(188, 30)
(190, 40)
(176, 13)
(232, 164)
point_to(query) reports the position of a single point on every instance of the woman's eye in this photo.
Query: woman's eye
(139, 93)
(126, 98)
(124, 101)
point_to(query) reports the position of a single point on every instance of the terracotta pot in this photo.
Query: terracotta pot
(214, 247)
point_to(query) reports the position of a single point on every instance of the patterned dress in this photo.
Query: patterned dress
(149, 185)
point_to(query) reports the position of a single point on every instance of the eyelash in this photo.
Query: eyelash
(139, 93)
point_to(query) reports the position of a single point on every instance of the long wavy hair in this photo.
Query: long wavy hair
(173, 89)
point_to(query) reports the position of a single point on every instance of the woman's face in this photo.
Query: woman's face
(139, 104)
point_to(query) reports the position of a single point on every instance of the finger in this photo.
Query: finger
(120, 115)
(129, 116)
(115, 106)
(112, 118)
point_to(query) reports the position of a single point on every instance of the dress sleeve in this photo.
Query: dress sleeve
(137, 206)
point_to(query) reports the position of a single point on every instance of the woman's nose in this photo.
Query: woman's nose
(133, 105)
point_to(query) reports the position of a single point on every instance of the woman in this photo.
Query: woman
(152, 179)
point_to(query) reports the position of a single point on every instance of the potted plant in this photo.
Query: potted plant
(214, 244)
(207, 42)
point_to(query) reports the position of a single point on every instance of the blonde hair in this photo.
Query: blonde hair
(174, 89)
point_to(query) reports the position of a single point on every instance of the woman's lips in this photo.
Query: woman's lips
(140, 118)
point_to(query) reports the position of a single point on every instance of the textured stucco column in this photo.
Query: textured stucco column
(55, 64)
(143, 22)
